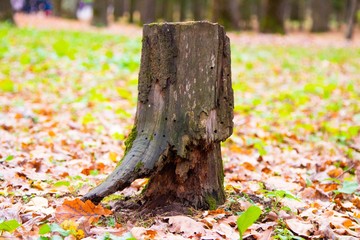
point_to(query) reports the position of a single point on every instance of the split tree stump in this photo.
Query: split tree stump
(185, 109)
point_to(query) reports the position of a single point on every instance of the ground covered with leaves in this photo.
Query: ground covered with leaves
(67, 102)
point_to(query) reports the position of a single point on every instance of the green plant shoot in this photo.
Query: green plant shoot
(247, 218)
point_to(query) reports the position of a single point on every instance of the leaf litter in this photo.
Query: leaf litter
(65, 112)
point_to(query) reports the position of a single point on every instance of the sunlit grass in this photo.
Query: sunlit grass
(291, 89)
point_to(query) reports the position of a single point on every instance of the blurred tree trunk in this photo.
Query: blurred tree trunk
(57, 7)
(247, 9)
(132, 8)
(100, 17)
(197, 7)
(148, 11)
(351, 19)
(69, 8)
(273, 16)
(119, 9)
(297, 12)
(185, 109)
(339, 10)
(227, 13)
(168, 10)
(6, 11)
(320, 14)
(183, 9)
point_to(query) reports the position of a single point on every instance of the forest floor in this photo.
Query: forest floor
(68, 101)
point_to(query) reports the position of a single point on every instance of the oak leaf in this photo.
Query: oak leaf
(300, 227)
(75, 209)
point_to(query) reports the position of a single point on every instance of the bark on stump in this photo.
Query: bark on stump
(185, 109)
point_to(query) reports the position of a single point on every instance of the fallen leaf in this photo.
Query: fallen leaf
(150, 234)
(185, 225)
(356, 202)
(139, 183)
(113, 156)
(336, 172)
(300, 227)
(75, 209)
(248, 166)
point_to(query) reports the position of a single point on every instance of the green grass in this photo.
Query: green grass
(306, 92)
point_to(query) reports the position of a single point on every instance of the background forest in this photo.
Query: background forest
(275, 16)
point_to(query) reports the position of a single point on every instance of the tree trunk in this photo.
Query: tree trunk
(6, 11)
(339, 11)
(148, 11)
(351, 19)
(197, 6)
(69, 8)
(100, 13)
(167, 10)
(183, 6)
(297, 12)
(132, 8)
(246, 12)
(185, 109)
(57, 7)
(320, 14)
(227, 13)
(273, 16)
(119, 9)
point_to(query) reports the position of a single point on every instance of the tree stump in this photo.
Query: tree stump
(185, 109)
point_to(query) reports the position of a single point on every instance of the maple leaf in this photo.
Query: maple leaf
(75, 209)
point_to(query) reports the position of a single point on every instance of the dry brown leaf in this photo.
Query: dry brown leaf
(39, 205)
(345, 206)
(229, 232)
(329, 187)
(266, 235)
(300, 227)
(209, 222)
(356, 202)
(313, 193)
(266, 170)
(186, 226)
(75, 209)
(139, 183)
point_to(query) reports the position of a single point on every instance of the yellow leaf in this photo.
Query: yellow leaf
(113, 156)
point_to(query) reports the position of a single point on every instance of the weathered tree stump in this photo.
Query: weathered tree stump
(185, 109)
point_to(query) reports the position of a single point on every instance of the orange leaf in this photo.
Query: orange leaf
(330, 187)
(75, 209)
(347, 223)
(334, 173)
(51, 133)
(356, 214)
(150, 233)
(248, 166)
(356, 202)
